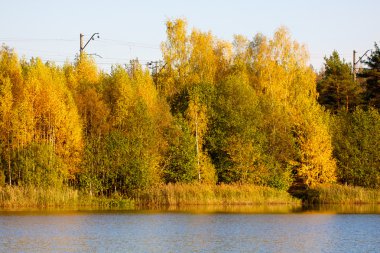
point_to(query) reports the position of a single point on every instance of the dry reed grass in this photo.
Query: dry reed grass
(202, 194)
(342, 194)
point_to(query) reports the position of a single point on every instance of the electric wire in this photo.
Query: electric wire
(53, 56)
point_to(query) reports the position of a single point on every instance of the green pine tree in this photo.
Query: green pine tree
(372, 79)
(337, 88)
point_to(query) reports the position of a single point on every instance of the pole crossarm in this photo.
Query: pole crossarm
(354, 62)
(91, 38)
(361, 57)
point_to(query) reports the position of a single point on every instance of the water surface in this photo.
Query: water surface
(187, 231)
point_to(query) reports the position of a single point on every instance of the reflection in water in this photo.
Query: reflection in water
(353, 209)
(272, 209)
(234, 208)
(237, 209)
(192, 230)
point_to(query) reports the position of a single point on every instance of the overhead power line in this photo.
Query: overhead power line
(101, 40)
(130, 43)
(34, 39)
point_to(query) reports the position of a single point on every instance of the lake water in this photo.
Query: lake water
(188, 231)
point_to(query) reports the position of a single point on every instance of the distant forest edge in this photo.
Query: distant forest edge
(250, 112)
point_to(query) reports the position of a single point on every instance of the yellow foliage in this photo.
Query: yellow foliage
(6, 103)
(194, 59)
(197, 118)
(245, 156)
(122, 94)
(314, 139)
(196, 115)
(175, 52)
(54, 115)
(280, 69)
(145, 89)
(86, 71)
(203, 62)
(223, 54)
(46, 104)
(206, 169)
(94, 112)
(280, 72)
(10, 67)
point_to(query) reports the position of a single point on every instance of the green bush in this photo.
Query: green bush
(39, 166)
(356, 140)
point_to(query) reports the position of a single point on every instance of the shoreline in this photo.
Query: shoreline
(186, 196)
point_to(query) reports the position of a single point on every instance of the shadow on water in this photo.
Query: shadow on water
(343, 208)
(312, 202)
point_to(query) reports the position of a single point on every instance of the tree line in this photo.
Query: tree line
(354, 106)
(250, 112)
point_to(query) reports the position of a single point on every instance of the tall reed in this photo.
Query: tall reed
(201, 194)
(65, 197)
(342, 194)
(29, 196)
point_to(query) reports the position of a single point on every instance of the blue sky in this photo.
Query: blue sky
(130, 29)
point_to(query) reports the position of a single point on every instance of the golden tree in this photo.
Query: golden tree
(280, 73)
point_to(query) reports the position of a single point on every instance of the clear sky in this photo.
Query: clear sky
(128, 29)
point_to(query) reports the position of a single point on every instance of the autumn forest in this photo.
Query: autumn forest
(249, 112)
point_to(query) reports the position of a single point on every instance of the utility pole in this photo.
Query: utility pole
(133, 66)
(354, 64)
(81, 43)
(197, 146)
(156, 67)
(153, 65)
(81, 48)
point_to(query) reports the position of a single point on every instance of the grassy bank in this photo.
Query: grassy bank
(199, 194)
(165, 195)
(341, 194)
(180, 195)
(65, 197)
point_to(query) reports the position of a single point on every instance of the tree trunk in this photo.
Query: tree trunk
(197, 145)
